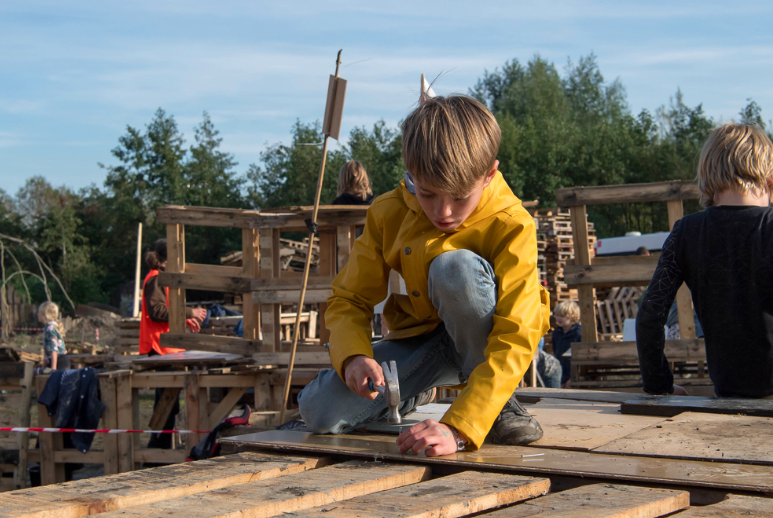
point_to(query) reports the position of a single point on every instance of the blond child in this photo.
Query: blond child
(568, 330)
(474, 310)
(54, 352)
(725, 256)
(353, 185)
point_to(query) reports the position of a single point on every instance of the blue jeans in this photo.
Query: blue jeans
(462, 287)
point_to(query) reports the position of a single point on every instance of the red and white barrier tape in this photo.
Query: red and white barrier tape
(78, 430)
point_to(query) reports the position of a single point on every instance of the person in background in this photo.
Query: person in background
(548, 367)
(55, 354)
(643, 250)
(154, 321)
(568, 330)
(353, 185)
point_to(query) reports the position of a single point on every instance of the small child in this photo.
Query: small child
(725, 256)
(568, 330)
(55, 355)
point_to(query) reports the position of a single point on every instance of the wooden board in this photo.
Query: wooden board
(669, 406)
(285, 494)
(725, 438)
(615, 352)
(222, 344)
(456, 495)
(601, 501)
(735, 506)
(681, 473)
(187, 357)
(534, 394)
(610, 275)
(204, 282)
(92, 496)
(321, 358)
(628, 193)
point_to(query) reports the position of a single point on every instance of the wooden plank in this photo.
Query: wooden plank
(534, 395)
(735, 506)
(96, 495)
(671, 472)
(109, 420)
(204, 282)
(50, 472)
(23, 439)
(175, 246)
(683, 296)
(612, 352)
(192, 411)
(343, 245)
(628, 193)
(453, 496)
(164, 408)
(313, 296)
(601, 501)
(262, 392)
(713, 437)
(284, 358)
(165, 380)
(269, 269)
(582, 258)
(159, 455)
(214, 269)
(286, 494)
(315, 281)
(12, 370)
(251, 270)
(670, 406)
(214, 343)
(225, 406)
(610, 275)
(205, 216)
(124, 421)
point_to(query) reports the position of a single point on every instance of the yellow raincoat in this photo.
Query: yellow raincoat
(398, 236)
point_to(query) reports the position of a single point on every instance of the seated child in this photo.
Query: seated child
(548, 367)
(568, 330)
(725, 255)
(474, 310)
(54, 353)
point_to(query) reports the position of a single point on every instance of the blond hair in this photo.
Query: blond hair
(49, 312)
(735, 157)
(353, 179)
(451, 143)
(568, 309)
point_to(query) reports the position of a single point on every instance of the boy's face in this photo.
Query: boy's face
(563, 321)
(445, 211)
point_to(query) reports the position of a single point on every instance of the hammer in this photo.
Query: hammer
(391, 391)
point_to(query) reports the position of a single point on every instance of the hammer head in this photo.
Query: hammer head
(392, 391)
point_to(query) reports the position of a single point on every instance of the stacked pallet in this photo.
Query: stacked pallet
(128, 339)
(555, 246)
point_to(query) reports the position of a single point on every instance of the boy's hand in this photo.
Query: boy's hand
(436, 437)
(358, 370)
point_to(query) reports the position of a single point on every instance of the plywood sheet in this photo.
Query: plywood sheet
(601, 501)
(721, 475)
(699, 436)
(450, 497)
(670, 406)
(535, 394)
(734, 506)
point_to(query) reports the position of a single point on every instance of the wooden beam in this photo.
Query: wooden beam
(225, 406)
(175, 246)
(167, 379)
(204, 282)
(251, 270)
(23, 439)
(284, 358)
(164, 407)
(109, 420)
(582, 257)
(612, 352)
(214, 269)
(683, 296)
(89, 496)
(291, 283)
(628, 193)
(191, 411)
(269, 269)
(124, 421)
(214, 343)
(343, 245)
(205, 216)
(313, 296)
(611, 275)
(601, 501)
(462, 494)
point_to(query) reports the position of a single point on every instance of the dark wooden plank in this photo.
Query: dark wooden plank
(204, 282)
(610, 275)
(670, 406)
(680, 473)
(628, 193)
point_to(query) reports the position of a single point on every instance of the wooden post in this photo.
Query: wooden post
(343, 245)
(262, 391)
(251, 270)
(582, 257)
(269, 268)
(20, 475)
(683, 296)
(136, 305)
(136, 444)
(124, 421)
(109, 420)
(326, 268)
(192, 410)
(175, 251)
(50, 472)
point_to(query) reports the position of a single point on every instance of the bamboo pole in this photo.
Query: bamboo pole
(136, 306)
(307, 266)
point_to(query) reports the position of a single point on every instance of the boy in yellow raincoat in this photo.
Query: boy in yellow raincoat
(475, 310)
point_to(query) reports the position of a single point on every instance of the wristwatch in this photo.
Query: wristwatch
(459, 443)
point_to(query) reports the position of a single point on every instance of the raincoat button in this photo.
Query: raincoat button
(416, 293)
(407, 250)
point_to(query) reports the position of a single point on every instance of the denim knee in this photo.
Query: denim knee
(459, 278)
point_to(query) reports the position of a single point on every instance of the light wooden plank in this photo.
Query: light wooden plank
(175, 246)
(456, 495)
(284, 358)
(343, 245)
(583, 258)
(628, 193)
(164, 407)
(97, 495)
(612, 352)
(251, 270)
(269, 245)
(205, 216)
(683, 296)
(717, 437)
(213, 343)
(601, 501)
(670, 406)
(214, 269)
(204, 282)
(109, 420)
(124, 421)
(735, 506)
(286, 494)
(610, 275)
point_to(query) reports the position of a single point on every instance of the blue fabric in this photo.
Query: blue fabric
(562, 343)
(549, 369)
(462, 287)
(409, 183)
(216, 310)
(73, 396)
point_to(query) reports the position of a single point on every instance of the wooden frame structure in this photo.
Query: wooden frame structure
(264, 285)
(589, 272)
(18, 376)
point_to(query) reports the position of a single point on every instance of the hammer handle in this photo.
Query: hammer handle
(373, 388)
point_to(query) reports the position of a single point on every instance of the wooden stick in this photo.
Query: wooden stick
(306, 268)
(136, 306)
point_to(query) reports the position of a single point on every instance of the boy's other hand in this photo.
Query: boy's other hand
(357, 372)
(200, 314)
(436, 437)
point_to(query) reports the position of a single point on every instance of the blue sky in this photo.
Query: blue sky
(74, 74)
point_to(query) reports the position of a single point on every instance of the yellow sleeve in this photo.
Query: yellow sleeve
(520, 320)
(356, 290)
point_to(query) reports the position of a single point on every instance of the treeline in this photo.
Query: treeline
(559, 129)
